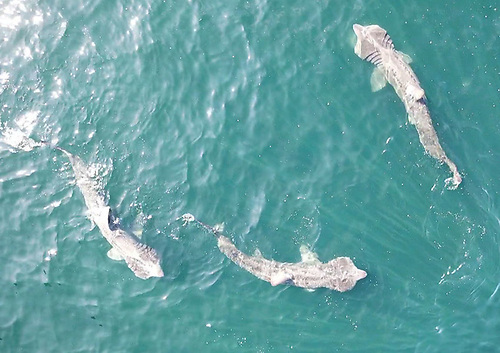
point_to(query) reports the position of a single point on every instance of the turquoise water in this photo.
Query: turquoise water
(259, 115)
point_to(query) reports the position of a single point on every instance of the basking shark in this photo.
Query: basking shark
(374, 45)
(139, 257)
(338, 274)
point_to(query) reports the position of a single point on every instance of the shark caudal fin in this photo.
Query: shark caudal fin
(68, 154)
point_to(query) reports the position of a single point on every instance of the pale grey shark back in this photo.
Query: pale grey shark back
(140, 258)
(88, 183)
(338, 274)
(375, 45)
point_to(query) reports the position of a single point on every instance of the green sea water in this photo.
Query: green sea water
(257, 114)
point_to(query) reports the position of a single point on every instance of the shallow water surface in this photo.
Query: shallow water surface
(259, 115)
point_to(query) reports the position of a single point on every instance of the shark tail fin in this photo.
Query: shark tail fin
(216, 230)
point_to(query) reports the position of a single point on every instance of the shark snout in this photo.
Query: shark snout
(157, 272)
(360, 275)
(358, 29)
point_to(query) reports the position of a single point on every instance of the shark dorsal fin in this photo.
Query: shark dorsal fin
(307, 255)
(415, 91)
(280, 278)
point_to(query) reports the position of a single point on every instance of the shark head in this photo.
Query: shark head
(349, 273)
(146, 264)
(151, 261)
(153, 269)
(358, 30)
(370, 39)
(144, 268)
(142, 259)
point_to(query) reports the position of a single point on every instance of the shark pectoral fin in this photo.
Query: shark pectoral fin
(406, 58)
(113, 254)
(257, 253)
(138, 233)
(137, 226)
(308, 255)
(377, 80)
(280, 278)
(411, 119)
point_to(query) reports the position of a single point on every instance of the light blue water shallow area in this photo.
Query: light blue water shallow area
(257, 114)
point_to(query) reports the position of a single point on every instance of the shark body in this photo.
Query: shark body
(139, 257)
(375, 45)
(339, 274)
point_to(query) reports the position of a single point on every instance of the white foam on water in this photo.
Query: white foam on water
(50, 254)
(4, 80)
(17, 140)
(18, 174)
(57, 92)
(15, 16)
(10, 16)
(27, 121)
(53, 205)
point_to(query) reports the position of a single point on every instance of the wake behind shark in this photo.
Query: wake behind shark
(139, 257)
(338, 274)
(374, 45)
